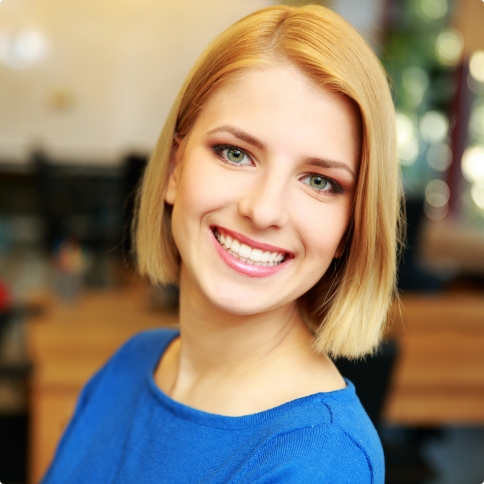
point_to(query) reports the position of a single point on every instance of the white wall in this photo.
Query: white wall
(107, 73)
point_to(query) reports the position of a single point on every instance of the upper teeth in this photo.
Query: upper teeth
(246, 253)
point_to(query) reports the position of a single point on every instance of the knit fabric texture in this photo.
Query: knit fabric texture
(126, 430)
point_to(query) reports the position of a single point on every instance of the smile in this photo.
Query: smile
(246, 253)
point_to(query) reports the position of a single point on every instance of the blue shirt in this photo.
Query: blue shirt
(126, 430)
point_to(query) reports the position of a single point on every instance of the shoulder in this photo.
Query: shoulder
(320, 454)
(330, 441)
(143, 348)
(147, 342)
(130, 363)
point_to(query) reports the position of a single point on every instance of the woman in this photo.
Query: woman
(272, 199)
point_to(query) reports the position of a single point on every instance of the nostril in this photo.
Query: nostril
(263, 211)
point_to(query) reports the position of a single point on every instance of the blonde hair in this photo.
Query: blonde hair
(348, 307)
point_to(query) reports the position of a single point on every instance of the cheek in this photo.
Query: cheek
(323, 226)
(201, 189)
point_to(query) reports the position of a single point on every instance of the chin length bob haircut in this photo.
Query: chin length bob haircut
(348, 307)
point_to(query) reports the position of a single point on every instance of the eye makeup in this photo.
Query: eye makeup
(314, 179)
(235, 156)
(232, 155)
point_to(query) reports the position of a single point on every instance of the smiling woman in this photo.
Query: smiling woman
(272, 199)
(275, 123)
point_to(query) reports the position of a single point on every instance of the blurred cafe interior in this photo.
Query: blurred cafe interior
(85, 87)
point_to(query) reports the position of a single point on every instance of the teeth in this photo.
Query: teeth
(245, 250)
(256, 255)
(236, 246)
(246, 254)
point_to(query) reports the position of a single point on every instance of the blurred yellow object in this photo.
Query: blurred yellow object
(476, 65)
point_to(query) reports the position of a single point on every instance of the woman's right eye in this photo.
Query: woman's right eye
(232, 154)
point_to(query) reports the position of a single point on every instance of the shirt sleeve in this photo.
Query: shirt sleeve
(319, 454)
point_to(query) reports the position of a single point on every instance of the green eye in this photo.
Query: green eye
(318, 182)
(322, 184)
(234, 155)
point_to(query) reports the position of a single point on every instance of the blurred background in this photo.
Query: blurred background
(85, 87)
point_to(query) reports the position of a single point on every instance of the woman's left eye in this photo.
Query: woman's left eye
(232, 154)
(321, 183)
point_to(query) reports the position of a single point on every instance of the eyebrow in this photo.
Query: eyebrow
(322, 163)
(319, 162)
(239, 134)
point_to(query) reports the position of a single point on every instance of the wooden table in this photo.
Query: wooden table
(439, 377)
(67, 344)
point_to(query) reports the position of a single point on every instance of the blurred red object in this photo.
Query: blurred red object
(5, 297)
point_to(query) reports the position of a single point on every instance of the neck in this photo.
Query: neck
(223, 362)
(215, 340)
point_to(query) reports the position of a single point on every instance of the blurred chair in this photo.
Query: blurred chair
(80, 202)
(411, 276)
(371, 377)
(83, 204)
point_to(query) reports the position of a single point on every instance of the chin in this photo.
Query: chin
(246, 304)
(238, 306)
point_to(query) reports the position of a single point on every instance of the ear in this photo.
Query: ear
(174, 178)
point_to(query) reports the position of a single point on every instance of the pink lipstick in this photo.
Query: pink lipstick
(246, 256)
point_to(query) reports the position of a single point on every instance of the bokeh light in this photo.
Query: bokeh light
(436, 213)
(433, 9)
(434, 126)
(449, 46)
(416, 82)
(476, 123)
(477, 194)
(21, 49)
(473, 163)
(407, 141)
(437, 193)
(439, 156)
(476, 65)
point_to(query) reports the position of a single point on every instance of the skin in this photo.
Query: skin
(238, 332)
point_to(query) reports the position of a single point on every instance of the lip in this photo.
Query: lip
(253, 243)
(242, 267)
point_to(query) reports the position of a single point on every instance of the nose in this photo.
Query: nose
(265, 202)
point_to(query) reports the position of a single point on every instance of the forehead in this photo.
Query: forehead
(283, 106)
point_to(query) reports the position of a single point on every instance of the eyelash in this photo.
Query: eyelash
(219, 149)
(335, 187)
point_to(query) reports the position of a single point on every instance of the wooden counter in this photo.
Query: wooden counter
(67, 344)
(439, 377)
